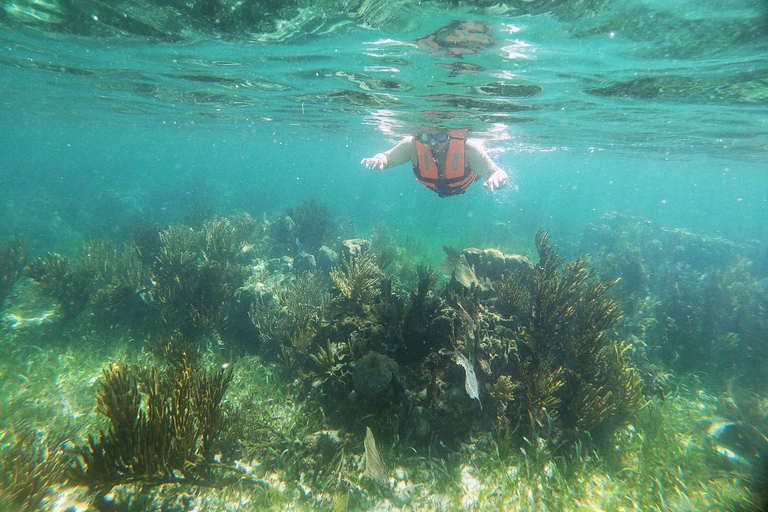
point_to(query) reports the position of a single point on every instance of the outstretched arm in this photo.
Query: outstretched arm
(479, 161)
(398, 155)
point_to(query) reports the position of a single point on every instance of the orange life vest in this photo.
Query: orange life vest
(455, 178)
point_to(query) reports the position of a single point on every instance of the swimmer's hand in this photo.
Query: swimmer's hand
(496, 180)
(378, 162)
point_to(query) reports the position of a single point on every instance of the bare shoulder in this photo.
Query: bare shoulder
(407, 142)
(478, 158)
(404, 151)
(476, 144)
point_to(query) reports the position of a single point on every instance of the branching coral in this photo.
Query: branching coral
(391, 256)
(623, 380)
(291, 320)
(428, 279)
(190, 292)
(149, 288)
(591, 406)
(64, 281)
(709, 320)
(214, 283)
(282, 236)
(29, 465)
(696, 302)
(294, 322)
(564, 311)
(145, 239)
(389, 314)
(327, 359)
(223, 239)
(167, 438)
(250, 232)
(429, 323)
(312, 220)
(121, 297)
(176, 351)
(207, 394)
(175, 263)
(534, 396)
(270, 318)
(305, 300)
(358, 281)
(106, 276)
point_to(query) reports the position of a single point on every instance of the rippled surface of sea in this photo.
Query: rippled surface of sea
(650, 108)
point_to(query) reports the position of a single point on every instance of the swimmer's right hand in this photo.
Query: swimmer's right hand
(378, 162)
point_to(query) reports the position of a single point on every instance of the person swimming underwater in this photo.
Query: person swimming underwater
(445, 162)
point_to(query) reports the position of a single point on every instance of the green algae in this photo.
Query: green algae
(295, 428)
(663, 464)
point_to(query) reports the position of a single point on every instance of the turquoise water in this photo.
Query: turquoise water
(121, 114)
(640, 107)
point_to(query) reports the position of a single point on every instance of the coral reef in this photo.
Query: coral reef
(164, 433)
(372, 373)
(177, 279)
(357, 281)
(233, 239)
(426, 319)
(312, 220)
(122, 295)
(189, 293)
(282, 236)
(569, 370)
(66, 282)
(222, 241)
(145, 239)
(30, 463)
(287, 320)
(495, 380)
(533, 398)
(692, 302)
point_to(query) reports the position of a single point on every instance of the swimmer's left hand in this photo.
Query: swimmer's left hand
(496, 180)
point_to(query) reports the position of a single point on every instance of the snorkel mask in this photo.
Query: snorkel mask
(432, 138)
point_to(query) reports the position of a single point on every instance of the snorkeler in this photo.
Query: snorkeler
(462, 161)
(459, 38)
